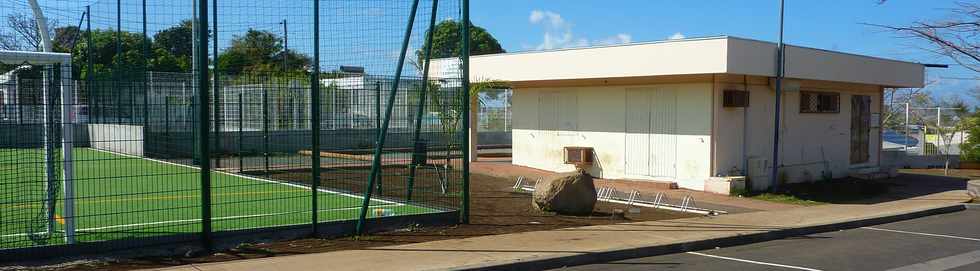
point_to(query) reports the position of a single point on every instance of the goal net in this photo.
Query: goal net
(36, 121)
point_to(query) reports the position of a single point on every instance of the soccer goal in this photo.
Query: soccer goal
(38, 94)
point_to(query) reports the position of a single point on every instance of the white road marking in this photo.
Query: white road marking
(943, 263)
(754, 262)
(198, 219)
(923, 234)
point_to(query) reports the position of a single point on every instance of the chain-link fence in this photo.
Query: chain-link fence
(495, 111)
(151, 123)
(922, 136)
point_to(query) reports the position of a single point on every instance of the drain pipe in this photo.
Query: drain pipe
(780, 68)
(745, 131)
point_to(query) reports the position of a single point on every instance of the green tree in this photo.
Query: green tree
(259, 52)
(446, 41)
(173, 48)
(107, 64)
(970, 149)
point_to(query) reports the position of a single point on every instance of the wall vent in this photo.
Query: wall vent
(736, 98)
(578, 155)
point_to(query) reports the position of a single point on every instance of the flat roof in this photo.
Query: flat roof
(692, 56)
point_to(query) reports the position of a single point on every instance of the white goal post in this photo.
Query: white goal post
(68, 118)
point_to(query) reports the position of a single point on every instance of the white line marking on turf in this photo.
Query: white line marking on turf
(753, 262)
(945, 263)
(198, 219)
(324, 190)
(923, 234)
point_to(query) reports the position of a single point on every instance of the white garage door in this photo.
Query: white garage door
(651, 132)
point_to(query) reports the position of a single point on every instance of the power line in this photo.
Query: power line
(960, 78)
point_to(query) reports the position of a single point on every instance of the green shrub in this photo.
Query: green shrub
(970, 149)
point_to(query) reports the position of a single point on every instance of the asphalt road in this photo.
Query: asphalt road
(941, 242)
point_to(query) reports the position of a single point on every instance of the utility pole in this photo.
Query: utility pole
(285, 39)
(780, 54)
(907, 132)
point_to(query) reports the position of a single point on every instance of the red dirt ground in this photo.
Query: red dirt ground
(496, 209)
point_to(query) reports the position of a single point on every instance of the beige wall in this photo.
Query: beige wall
(711, 139)
(811, 143)
(600, 122)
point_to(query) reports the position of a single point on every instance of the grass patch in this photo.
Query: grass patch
(834, 191)
(784, 198)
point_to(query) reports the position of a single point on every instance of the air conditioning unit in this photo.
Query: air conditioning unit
(578, 155)
(735, 98)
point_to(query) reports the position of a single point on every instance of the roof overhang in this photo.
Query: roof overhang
(718, 55)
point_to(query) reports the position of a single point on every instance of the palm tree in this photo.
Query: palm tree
(451, 110)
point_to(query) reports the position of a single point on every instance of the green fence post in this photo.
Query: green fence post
(118, 56)
(217, 86)
(89, 76)
(241, 129)
(465, 55)
(421, 111)
(376, 164)
(146, 93)
(265, 128)
(166, 119)
(315, 117)
(377, 124)
(203, 121)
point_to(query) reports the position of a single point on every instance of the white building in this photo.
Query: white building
(357, 102)
(657, 111)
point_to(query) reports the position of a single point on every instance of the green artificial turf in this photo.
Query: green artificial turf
(119, 196)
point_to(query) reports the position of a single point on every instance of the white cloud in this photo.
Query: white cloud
(676, 36)
(553, 19)
(621, 38)
(558, 32)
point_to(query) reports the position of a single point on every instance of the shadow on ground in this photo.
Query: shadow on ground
(910, 183)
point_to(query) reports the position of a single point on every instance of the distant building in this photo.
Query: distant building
(353, 102)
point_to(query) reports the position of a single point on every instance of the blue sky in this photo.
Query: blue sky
(523, 25)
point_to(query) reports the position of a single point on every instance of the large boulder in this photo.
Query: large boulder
(570, 193)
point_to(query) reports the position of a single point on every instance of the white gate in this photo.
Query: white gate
(651, 132)
(638, 132)
(663, 133)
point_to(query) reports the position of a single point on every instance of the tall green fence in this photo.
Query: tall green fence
(158, 123)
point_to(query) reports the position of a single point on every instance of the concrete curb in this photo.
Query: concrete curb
(647, 251)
